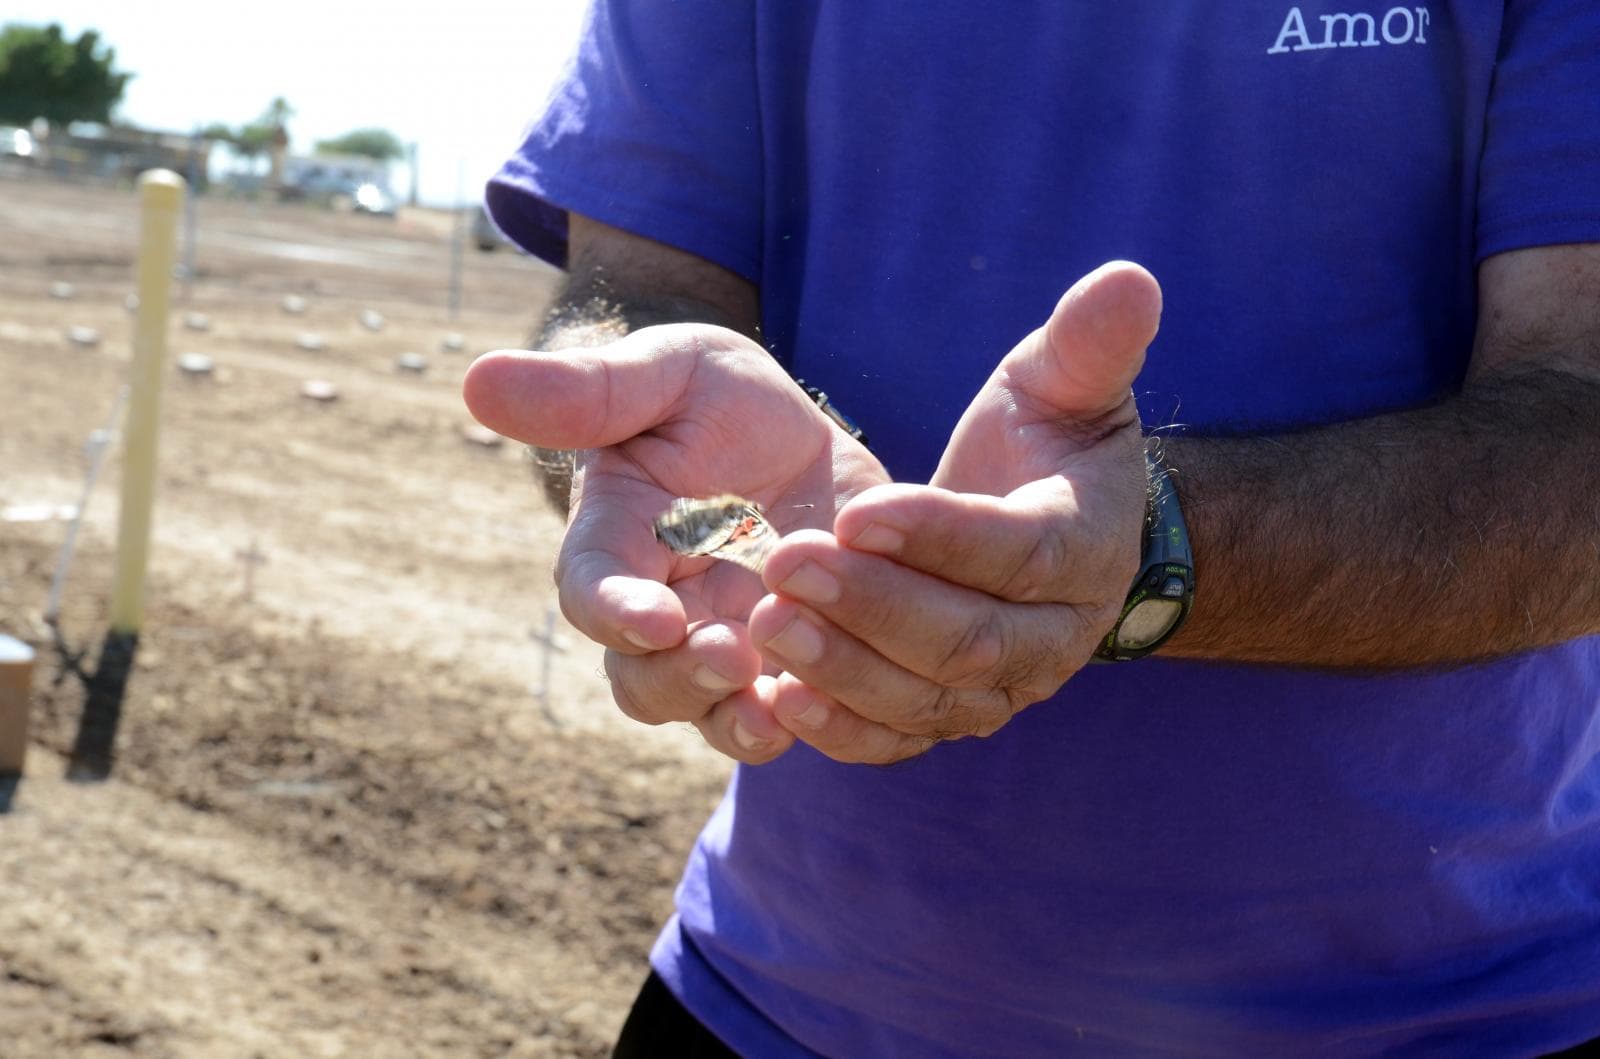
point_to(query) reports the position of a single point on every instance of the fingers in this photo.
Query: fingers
(911, 651)
(839, 732)
(695, 408)
(1050, 541)
(585, 398)
(845, 669)
(1082, 363)
(743, 727)
(611, 575)
(684, 682)
(688, 684)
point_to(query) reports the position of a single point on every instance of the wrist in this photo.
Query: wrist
(1162, 592)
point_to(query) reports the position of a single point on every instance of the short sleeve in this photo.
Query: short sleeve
(1540, 173)
(653, 128)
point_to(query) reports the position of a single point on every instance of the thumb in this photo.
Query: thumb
(583, 398)
(1081, 364)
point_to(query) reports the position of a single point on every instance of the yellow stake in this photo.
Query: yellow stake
(161, 194)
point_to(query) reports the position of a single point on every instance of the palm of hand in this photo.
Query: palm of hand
(1030, 437)
(740, 426)
(1091, 473)
(1009, 438)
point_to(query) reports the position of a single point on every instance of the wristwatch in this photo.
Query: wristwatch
(834, 412)
(1164, 590)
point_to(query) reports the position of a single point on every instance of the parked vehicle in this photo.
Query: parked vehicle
(374, 199)
(16, 141)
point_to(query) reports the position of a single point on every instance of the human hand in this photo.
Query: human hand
(940, 611)
(682, 410)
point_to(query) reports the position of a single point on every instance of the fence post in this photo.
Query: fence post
(16, 682)
(160, 197)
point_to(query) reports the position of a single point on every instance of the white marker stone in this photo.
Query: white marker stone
(319, 390)
(311, 342)
(195, 364)
(39, 513)
(293, 303)
(478, 434)
(415, 363)
(83, 336)
(372, 320)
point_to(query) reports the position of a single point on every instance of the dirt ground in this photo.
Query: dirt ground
(341, 820)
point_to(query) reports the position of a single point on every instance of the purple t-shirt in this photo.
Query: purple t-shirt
(1168, 858)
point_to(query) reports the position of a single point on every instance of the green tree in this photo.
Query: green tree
(277, 114)
(379, 144)
(45, 75)
(255, 139)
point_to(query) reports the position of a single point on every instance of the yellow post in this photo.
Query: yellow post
(161, 194)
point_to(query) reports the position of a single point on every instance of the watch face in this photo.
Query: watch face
(1148, 621)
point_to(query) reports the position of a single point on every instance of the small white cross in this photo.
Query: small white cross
(551, 642)
(251, 557)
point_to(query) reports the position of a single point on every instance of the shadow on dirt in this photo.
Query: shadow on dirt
(94, 749)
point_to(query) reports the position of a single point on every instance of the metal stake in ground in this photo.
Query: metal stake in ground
(458, 238)
(251, 558)
(195, 142)
(549, 642)
(95, 451)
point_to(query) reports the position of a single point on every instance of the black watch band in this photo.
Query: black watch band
(1163, 593)
(833, 412)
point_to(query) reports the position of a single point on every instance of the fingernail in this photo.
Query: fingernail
(885, 540)
(709, 679)
(800, 641)
(747, 739)
(813, 716)
(637, 640)
(811, 583)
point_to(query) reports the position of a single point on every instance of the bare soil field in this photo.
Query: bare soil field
(341, 820)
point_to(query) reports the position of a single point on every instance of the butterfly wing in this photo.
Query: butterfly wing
(725, 527)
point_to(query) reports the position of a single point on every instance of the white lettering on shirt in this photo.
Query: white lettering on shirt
(1400, 25)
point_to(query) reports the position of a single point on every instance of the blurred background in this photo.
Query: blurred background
(445, 96)
(355, 788)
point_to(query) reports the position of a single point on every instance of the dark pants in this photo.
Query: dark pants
(659, 1027)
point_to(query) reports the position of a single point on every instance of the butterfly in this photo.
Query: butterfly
(724, 527)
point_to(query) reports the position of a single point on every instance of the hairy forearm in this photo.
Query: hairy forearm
(1462, 531)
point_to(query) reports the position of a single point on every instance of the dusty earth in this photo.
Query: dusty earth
(341, 820)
